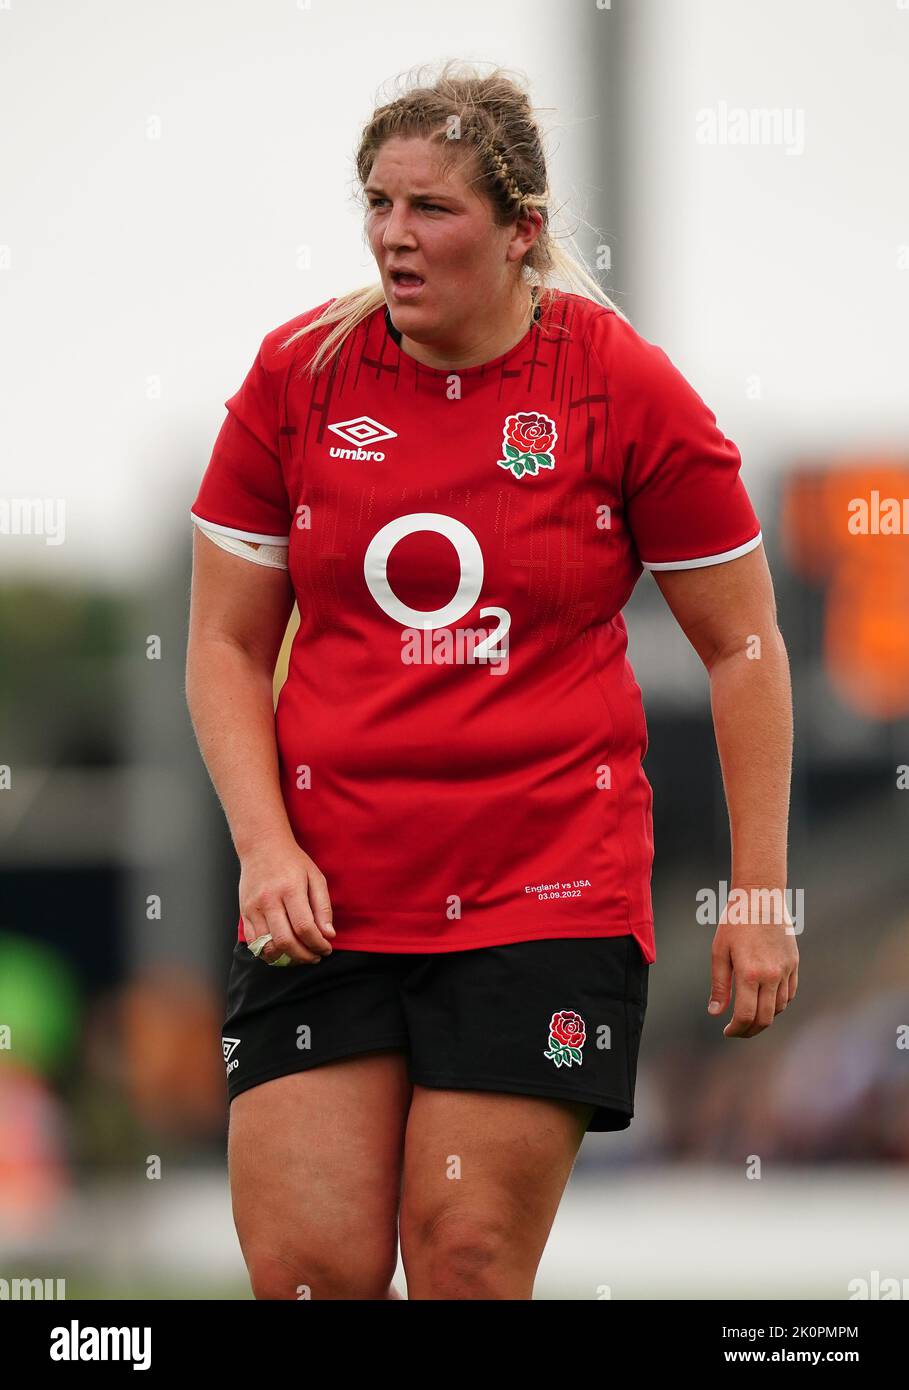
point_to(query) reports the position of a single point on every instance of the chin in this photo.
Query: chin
(413, 319)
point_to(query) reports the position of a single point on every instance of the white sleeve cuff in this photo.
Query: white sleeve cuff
(718, 559)
(241, 535)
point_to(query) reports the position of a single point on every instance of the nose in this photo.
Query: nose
(398, 231)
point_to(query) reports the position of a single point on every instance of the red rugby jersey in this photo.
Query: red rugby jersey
(460, 732)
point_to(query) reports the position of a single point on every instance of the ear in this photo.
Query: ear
(527, 228)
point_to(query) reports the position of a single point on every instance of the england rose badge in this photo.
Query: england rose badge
(567, 1032)
(528, 440)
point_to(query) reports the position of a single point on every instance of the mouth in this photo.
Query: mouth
(406, 279)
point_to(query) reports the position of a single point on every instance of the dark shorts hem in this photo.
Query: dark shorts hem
(235, 1087)
(607, 1107)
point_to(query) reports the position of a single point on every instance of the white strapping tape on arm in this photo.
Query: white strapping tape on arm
(275, 556)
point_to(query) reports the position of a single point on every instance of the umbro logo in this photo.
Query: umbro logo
(228, 1046)
(360, 431)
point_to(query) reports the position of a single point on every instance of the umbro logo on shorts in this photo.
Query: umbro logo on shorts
(228, 1046)
(361, 430)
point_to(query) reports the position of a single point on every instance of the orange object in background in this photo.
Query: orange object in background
(866, 573)
(169, 1023)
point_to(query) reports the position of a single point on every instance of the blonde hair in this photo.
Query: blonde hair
(492, 117)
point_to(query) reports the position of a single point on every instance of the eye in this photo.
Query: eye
(375, 201)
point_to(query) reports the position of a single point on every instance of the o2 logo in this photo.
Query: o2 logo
(429, 636)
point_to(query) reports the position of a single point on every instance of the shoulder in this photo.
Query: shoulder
(619, 348)
(638, 374)
(277, 350)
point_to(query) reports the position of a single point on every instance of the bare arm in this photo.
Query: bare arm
(728, 613)
(238, 617)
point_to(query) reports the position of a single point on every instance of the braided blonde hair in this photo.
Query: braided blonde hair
(491, 118)
(520, 200)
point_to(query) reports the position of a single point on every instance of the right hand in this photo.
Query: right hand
(283, 891)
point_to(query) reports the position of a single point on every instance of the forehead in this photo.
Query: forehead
(419, 162)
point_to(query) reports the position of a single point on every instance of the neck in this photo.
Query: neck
(500, 332)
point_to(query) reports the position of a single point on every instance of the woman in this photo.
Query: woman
(459, 474)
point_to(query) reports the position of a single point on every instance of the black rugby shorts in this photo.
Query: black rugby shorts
(559, 1017)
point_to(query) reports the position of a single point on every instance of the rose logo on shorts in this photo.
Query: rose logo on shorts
(527, 442)
(566, 1038)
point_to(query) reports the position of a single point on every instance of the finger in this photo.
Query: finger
(258, 940)
(253, 927)
(764, 1010)
(301, 922)
(746, 995)
(782, 996)
(793, 983)
(720, 981)
(320, 902)
(284, 940)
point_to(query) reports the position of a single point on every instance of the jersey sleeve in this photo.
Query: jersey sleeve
(685, 502)
(243, 493)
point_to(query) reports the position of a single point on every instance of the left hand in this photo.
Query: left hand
(762, 956)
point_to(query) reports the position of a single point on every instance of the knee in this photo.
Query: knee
(303, 1275)
(458, 1254)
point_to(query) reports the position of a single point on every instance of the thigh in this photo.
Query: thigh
(315, 1164)
(484, 1173)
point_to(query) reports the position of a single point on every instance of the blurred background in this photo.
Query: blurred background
(176, 182)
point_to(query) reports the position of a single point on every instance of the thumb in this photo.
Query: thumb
(720, 984)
